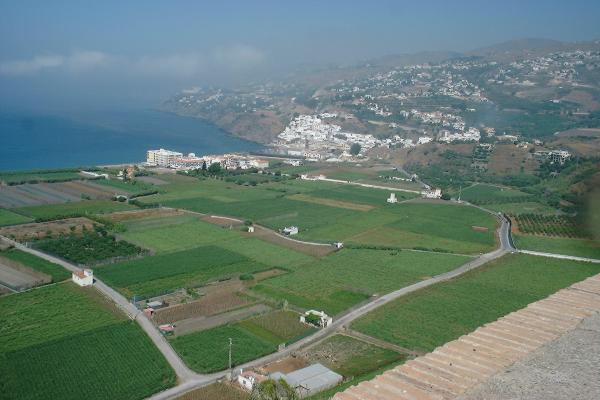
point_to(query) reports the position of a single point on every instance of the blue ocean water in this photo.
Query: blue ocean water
(29, 141)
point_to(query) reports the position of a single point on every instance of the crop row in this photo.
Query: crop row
(550, 225)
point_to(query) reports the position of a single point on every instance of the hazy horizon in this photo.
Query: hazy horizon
(73, 56)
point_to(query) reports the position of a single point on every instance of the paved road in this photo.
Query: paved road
(561, 256)
(183, 372)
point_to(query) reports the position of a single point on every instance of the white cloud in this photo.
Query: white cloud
(76, 60)
(239, 56)
(180, 65)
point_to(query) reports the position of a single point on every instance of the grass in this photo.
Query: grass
(80, 208)
(133, 188)
(57, 272)
(89, 248)
(66, 342)
(216, 391)
(483, 194)
(10, 218)
(350, 276)
(572, 247)
(328, 212)
(207, 351)
(18, 177)
(276, 327)
(160, 273)
(520, 208)
(433, 316)
(188, 231)
(351, 357)
(116, 361)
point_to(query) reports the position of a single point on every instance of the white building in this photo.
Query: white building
(162, 157)
(324, 319)
(392, 199)
(247, 379)
(431, 194)
(290, 230)
(83, 277)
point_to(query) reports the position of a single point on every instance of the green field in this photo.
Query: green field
(62, 336)
(188, 231)
(19, 177)
(11, 218)
(89, 248)
(167, 272)
(79, 208)
(349, 276)
(481, 193)
(520, 208)
(277, 327)
(572, 247)
(330, 212)
(205, 358)
(351, 357)
(57, 272)
(433, 316)
(133, 188)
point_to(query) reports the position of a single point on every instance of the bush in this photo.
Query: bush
(246, 277)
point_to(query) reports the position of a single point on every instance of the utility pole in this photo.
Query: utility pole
(230, 344)
(459, 193)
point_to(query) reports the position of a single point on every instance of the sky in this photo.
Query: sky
(94, 54)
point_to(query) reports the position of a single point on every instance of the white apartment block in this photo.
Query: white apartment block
(162, 157)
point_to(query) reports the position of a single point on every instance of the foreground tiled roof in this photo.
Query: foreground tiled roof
(452, 369)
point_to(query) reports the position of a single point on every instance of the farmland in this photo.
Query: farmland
(572, 247)
(89, 248)
(550, 225)
(487, 194)
(328, 212)
(11, 218)
(276, 327)
(63, 332)
(188, 268)
(350, 357)
(349, 276)
(52, 193)
(74, 209)
(216, 391)
(57, 272)
(430, 317)
(202, 358)
(19, 177)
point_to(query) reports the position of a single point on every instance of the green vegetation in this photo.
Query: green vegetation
(551, 225)
(49, 212)
(56, 175)
(350, 276)
(134, 188)
(276, 327)
(214, 357)
(571, 247)
(11, 218)
(216, 391)
(62, 336)
(352, 357)
(89, 248)
(57, 272)
(486, 194)
(433, 316)
(188, 268)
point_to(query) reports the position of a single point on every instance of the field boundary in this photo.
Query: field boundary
(561, 256)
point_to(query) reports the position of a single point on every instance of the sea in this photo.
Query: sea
(33, 141)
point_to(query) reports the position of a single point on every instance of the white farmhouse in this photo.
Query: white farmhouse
(290, 230)
(324, 319)
(83, 277)
(392, 199)
(247, 379)
(431, 194)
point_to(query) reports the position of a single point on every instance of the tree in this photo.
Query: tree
(445, 196)
(214, 168)
(271, 389)
(355, 149)
(203, 165)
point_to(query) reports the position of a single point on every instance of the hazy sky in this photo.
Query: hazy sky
(77, 54)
